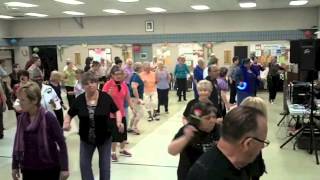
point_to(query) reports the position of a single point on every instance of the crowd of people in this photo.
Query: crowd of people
(217, 140)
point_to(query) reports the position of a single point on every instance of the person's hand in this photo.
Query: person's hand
(66, 126)
(259, 77)
(219, 120)
(120, 127)
(189, 131)
(15, 174)
(64, 175)
(133, 110)
(70, 92)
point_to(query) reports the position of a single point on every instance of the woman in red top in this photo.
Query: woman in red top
(119, 92)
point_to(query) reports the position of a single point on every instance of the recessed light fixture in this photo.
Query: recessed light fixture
(298, 2)
(128, 1)
(200, 7)
(114, 11)
(156, 9)
(75, 13)
(247, 3)
(20, 4)
(36, 14)
(6, 17)
(73, 2)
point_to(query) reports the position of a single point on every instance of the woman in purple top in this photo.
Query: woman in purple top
(128, 70)
(224, 87)
(163, 79)
(39, 150)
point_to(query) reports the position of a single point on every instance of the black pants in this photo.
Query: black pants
(233, 92)
(46, 174)
(273, 82)
(163, 99)
(182, 88)
(70, 98)
(59, 115)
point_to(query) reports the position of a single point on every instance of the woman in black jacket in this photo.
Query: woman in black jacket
(93, 109)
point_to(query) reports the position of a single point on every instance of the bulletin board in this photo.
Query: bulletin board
(98, 53)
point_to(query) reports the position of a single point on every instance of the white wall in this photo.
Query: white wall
(22, 55)
(219, 48)
(224, 21)
(4, 28)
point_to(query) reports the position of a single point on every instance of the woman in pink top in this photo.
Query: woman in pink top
(119, 92)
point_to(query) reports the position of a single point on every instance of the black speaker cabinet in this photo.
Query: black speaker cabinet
(306, 53)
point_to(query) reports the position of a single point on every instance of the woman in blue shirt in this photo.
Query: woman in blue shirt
(198, 76)
(180, 72)
(246, 81)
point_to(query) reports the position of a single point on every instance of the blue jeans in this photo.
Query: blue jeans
(86, 153)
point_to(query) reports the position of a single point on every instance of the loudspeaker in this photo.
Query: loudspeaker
(306, 53)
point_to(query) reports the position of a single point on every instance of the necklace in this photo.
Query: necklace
(92, 101)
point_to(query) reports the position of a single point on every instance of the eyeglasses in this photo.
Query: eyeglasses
(265, 142)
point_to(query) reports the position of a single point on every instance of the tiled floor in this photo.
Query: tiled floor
(150, 158)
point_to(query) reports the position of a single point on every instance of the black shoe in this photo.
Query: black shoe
(150, 119)
(1, 136)
(185, 99)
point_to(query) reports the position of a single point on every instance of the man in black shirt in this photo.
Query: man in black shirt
(215, 97)
(195, 138)
(243, 135)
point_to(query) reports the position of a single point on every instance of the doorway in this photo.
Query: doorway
(49, 59)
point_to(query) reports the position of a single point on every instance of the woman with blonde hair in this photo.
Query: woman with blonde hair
(55, 80)
(257, 168)
(255, 102)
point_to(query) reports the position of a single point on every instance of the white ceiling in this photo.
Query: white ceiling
(95, 7)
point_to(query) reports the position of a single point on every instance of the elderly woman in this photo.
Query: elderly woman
(180, 72)
(39, 150)
(119, 92)
(163, 79)
(55, 80)
(224, 87)
(136, 92)
(70, 81)
(36, 73)
(204, 88)
(94, 109)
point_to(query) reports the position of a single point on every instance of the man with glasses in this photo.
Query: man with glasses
(243, 136)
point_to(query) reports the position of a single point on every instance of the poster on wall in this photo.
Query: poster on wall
(98, 53)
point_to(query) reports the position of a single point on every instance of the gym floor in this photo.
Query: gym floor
(150, 158)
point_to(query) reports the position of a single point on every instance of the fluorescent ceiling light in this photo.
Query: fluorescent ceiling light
(20, 4)
(247, 4)
(156, 9)
(200, 7)
(36, 14)
(6, 17)
(114, 11)
(298, 2)
(74, 13)
(128, 1)
(73, 2)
